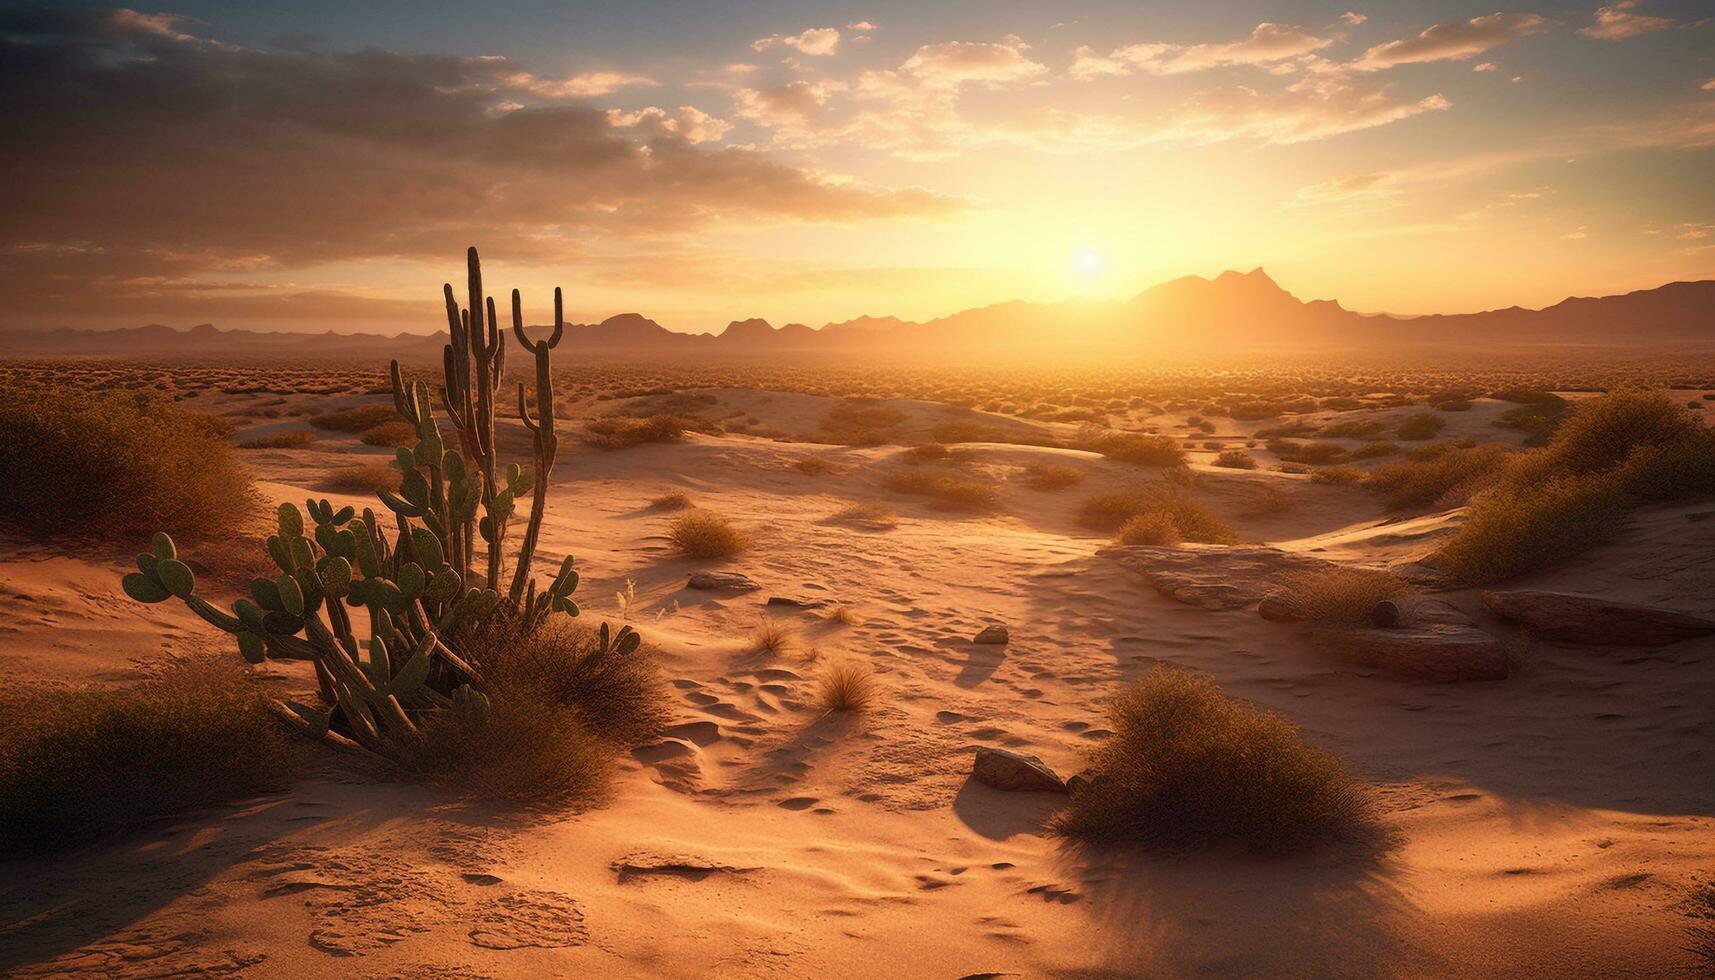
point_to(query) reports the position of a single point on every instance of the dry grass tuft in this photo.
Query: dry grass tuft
(1439, 474)
(1188, 767)
(1342, 595)
(705, 534)
(670, 501)
(1701, 936)
(293, 439)
(1048, 477)
(1137, 448)
(772, 639)
(117, 467)
(875, 516)
(1337, 475)
(1420, 426)
(842, 615)
(365, 478)
(1236, 459)
(79, 764)
(845, 685)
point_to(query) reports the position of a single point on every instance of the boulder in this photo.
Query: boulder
(796, 603)
(992, 633)
(1014, 772)
(1280, 608)
(1587, 619)
(733, 581)
(1429, 651)
(1214, 577)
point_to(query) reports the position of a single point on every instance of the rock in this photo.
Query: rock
(1430, 651)
(1280, 608)
(1587, 619)
(1014, 772)
(992, 633)
(781, 600)
(1214, 577)
(735, 581)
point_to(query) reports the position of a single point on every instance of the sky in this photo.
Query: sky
(323, 165)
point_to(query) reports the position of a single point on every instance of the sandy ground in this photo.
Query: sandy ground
(1547, 825)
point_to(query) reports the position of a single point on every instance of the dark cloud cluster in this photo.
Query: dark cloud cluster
(142, 160)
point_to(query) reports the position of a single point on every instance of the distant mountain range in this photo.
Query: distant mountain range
(1233, 311)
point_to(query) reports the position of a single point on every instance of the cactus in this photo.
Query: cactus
(420, 580)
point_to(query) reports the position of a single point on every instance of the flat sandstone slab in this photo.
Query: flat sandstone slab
(1587, 619)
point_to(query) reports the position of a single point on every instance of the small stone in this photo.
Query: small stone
(1014, 772)
(789, 601)
(993, 633)
(736, 581)
(1387, 615)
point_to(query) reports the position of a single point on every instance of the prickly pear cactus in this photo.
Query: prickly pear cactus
(440, 565)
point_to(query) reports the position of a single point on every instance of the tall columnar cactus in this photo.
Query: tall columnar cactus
(425, 577)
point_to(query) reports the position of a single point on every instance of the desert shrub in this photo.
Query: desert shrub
(1192, 521)
(116, 467)
(1351, 429)
(932, 452)
(705, 534)
(356, 419)
(963, 432)
(1253, 411)
(673, 500)
(1700, 904)
(1269, 501)
(1612, 452)
(813, 466)
(945, 492)
(1336, 475)
(363, 478)
(1514, 528)
(1373, 450)
(875, 516)
(1138, 448)
(1188, 767)
(1052, 476)
(1421, 426)
(1154, 528)
(293, 439)
(78, 764)
(395, 433)
(621, 431)
(1236, 459)
(1288, 430)
(845, 685)
(1450, 475)
(1308, 453)
(862, 422)
(529, 749)
(617, 699)
(1341, 595)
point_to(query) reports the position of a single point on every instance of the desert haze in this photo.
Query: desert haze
(685, 490)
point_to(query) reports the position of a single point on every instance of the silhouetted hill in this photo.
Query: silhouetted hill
(1192, 314)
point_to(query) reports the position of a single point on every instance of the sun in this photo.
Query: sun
(1088, 261)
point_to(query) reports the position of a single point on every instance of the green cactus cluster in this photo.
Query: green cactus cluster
(439, 566)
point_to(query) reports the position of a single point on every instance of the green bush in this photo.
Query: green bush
(1188, 767)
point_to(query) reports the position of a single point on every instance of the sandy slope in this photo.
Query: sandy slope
(1547, 824)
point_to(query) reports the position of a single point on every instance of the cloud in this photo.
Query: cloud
(950, 64)
(1325, 102)
(861, 26)
(1354, 194)
(1267, 44)
(1486, 66)
(1617, 22)
(1352, 18)
(690, 123)
(820, 41)
(1708, 86)
(1088, 64)
(793, 102)
(577, 86)
(157, 158)
(1454, 41)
